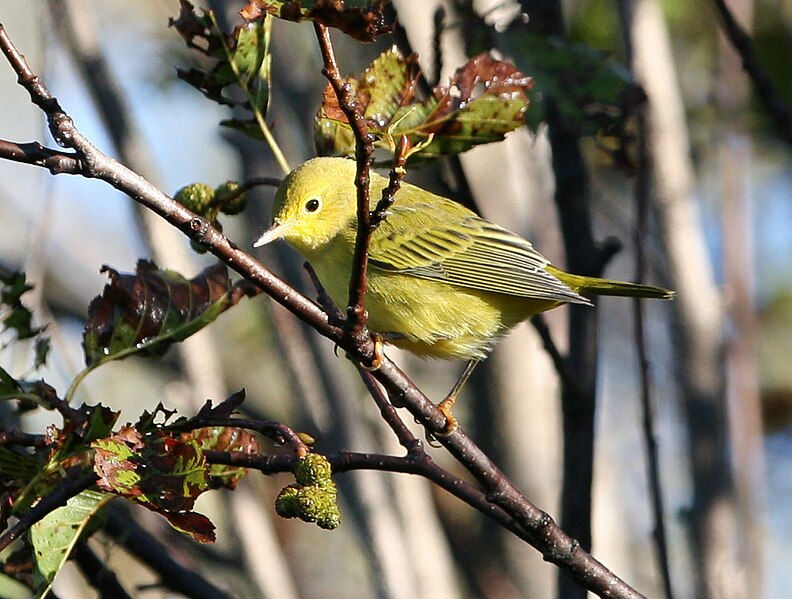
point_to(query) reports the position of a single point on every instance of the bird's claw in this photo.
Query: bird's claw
(376, 362)
(451, 422)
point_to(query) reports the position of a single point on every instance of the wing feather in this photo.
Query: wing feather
(471, 252)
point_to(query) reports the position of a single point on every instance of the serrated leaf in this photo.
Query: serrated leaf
(89, 422)
(225, 409)
(9, 386)
(54, 536)
(167, 472)
(363, 20)
(147, 421)
(485, 99)
(146, 312)
(164, 473)
(15, 315)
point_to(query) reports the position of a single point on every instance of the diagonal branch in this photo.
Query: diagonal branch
(68, 488)
(773, 102)
(642, 200)
(97, 572)
(125, 529)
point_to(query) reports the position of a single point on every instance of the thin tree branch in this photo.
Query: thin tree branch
(364, 150)
(55, 161)
(15, 437)
(586, 257)
(773, 102)
(417, 462)
(389, 414)
(68, 488)
(559, 360)
(173, 576)
(102, 578)
(395, 177)
(554, 544)
(578, 401)
(642, 194)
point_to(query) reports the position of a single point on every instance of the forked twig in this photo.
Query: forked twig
(364, 150)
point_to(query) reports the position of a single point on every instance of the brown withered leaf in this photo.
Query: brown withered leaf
(362, 20)
(144, 313)
(227, 439)
(196, 525)
(163, 472)
(485, 99)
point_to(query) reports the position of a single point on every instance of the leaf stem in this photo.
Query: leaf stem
(243, 83)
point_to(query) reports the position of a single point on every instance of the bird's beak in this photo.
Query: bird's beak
(276, 231)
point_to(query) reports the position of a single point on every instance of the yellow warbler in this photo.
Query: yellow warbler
(442, 281)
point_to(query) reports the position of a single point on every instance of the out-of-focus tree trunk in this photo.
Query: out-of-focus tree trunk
(733, 95)
(714, 513)
(521, 382)
(513, 396)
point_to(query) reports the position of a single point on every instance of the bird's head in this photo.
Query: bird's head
(313, 204)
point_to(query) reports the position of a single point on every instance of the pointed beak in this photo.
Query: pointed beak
(276, 231)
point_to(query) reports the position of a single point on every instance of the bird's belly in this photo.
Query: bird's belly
(434, 319)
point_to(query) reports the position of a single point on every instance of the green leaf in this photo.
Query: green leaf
(54, 536)
(241, 59)
(363, 20)
(147, 312)
(590, 92)
(9, 386)
(11, 588)
(485, 99)
(14, 315)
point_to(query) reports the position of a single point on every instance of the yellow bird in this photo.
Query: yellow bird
(442, 281)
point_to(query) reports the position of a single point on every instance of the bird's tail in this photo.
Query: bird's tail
(595, 286)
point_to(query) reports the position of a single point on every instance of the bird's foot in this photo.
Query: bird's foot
(451, 422)
(376, 362)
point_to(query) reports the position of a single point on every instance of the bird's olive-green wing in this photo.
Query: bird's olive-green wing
(441, 241)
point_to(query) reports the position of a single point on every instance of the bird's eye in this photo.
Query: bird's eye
(312, 205)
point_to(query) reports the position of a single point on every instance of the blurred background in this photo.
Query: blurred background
(719, 357)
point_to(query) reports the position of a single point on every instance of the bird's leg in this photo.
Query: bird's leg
(446, 405)
(378, 349)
